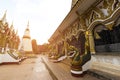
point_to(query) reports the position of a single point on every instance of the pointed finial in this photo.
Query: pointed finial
(28, 25)
(12, 23)
(4, 17)
(16, 31)
(11, 27)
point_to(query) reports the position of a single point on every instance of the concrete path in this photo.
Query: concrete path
(39, 71)
(30, 69)
(39, 68)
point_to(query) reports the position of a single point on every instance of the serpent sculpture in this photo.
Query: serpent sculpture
(80, 63)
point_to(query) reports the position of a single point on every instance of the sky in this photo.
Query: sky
(44, 16)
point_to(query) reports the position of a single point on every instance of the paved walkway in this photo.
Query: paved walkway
(39, 68)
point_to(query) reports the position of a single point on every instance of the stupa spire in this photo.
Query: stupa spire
(26, 41)
(28, 25)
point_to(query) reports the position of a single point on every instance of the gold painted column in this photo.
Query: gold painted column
(91, 42)
(56, 47)
(65, 47)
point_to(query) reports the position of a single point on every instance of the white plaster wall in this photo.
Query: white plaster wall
(27, 45)
(27, 33)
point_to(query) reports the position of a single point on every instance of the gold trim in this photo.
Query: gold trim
(27, 37)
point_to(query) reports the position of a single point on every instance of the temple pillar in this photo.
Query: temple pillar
(65, 47)
(91, 43)
(57, 52)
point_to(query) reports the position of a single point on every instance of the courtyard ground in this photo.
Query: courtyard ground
(39, 68)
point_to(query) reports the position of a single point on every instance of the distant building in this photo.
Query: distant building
(26, 41)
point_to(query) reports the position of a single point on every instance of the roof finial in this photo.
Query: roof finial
(16, 31)
(4, 17)
(28, 24)
(11, 27)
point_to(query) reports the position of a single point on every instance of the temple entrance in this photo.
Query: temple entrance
(107, 40)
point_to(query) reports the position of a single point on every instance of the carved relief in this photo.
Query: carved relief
(72, 30)
(94, 15)
(82, 22)
(116, 4)
(102, 11)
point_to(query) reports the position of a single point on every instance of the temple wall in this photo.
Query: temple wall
(105, 13)
(27, 46)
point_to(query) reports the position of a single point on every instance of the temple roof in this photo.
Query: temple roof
(78, 9)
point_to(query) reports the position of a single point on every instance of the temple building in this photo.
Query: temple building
(9, 42)
(8, 36)
(26, 41)
(91, 26)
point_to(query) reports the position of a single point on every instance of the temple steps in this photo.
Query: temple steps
(61, 70)
(102, 75)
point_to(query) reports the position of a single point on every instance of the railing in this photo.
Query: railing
(13, 55)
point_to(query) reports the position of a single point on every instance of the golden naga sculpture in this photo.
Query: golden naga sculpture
(80, 63)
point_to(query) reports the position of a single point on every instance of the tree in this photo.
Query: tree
(34, 46)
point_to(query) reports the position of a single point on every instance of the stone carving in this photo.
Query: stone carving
(79, 61)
